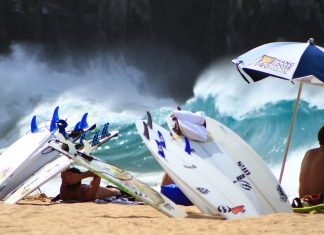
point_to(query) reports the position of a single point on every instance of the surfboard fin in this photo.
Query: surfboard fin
(55, 119)
(146, 132)
(149, 120)
(83, 122)
(95, 140)
(105, 132)
(77, 127)
(33, 125)
(187, 148)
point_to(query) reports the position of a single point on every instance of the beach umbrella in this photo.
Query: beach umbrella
(292, 61)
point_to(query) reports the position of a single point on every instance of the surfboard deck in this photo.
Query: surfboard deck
(122, 179)
(48, 171)
(16, 155)
(225, 142)
(209, 189)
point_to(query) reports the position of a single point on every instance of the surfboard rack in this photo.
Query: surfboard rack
(146, 132)
(149, 119)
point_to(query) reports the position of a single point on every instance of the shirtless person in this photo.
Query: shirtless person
(72, 189)
(311, 178)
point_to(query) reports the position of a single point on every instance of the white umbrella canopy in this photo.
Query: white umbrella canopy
(291, 61)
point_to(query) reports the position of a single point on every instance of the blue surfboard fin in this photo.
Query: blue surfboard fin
(187, 148)
(105, 132)
(160, 149)
(55, 119)
(162, 141)
(77, 127)
(95, 140)
(83, 122)
(33, 125)
(83, 136)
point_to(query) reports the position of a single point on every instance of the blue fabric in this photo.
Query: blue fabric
(311, 63)
(172, 192)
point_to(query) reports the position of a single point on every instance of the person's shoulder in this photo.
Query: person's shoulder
(313, 152)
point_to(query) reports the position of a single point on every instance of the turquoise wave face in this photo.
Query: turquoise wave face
(266, 130)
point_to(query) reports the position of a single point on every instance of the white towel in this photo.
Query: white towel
(191, 125)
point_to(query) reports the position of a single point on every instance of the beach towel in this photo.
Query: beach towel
(119, 199)
(312, 204)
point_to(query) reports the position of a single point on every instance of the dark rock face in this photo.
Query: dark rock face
(169, 35)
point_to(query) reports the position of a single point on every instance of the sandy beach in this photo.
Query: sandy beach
(35, 216)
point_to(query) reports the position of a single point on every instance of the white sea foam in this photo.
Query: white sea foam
(108, 88)
(235, 97)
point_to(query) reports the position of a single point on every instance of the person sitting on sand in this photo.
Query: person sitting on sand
(311, 178)
(72, 189)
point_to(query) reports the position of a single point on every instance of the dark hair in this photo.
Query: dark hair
(321, 136)
(74, 170)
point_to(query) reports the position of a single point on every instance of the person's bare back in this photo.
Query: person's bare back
(311, 178)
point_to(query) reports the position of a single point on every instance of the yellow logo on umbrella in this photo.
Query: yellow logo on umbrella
(267, 59)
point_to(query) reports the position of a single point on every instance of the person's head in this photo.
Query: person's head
(74, 170)
(75, 185)
(321, 136)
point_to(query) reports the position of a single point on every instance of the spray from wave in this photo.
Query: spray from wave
(107, 87)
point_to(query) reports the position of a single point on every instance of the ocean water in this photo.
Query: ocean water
(111, 90)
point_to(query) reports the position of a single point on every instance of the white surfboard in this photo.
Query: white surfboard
(206, 187)
(27, 163)
(18, 153)
(225, 144)
(122, 179)
(49, 170)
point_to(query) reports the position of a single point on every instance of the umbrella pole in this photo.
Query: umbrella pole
(290, 131)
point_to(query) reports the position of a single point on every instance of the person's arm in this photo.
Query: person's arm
(303, 175)
(90, 191)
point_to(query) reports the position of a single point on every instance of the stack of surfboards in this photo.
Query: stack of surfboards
(21, 159)
(29, 161)
(48, 171)
(223, 175)
(19, 181)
